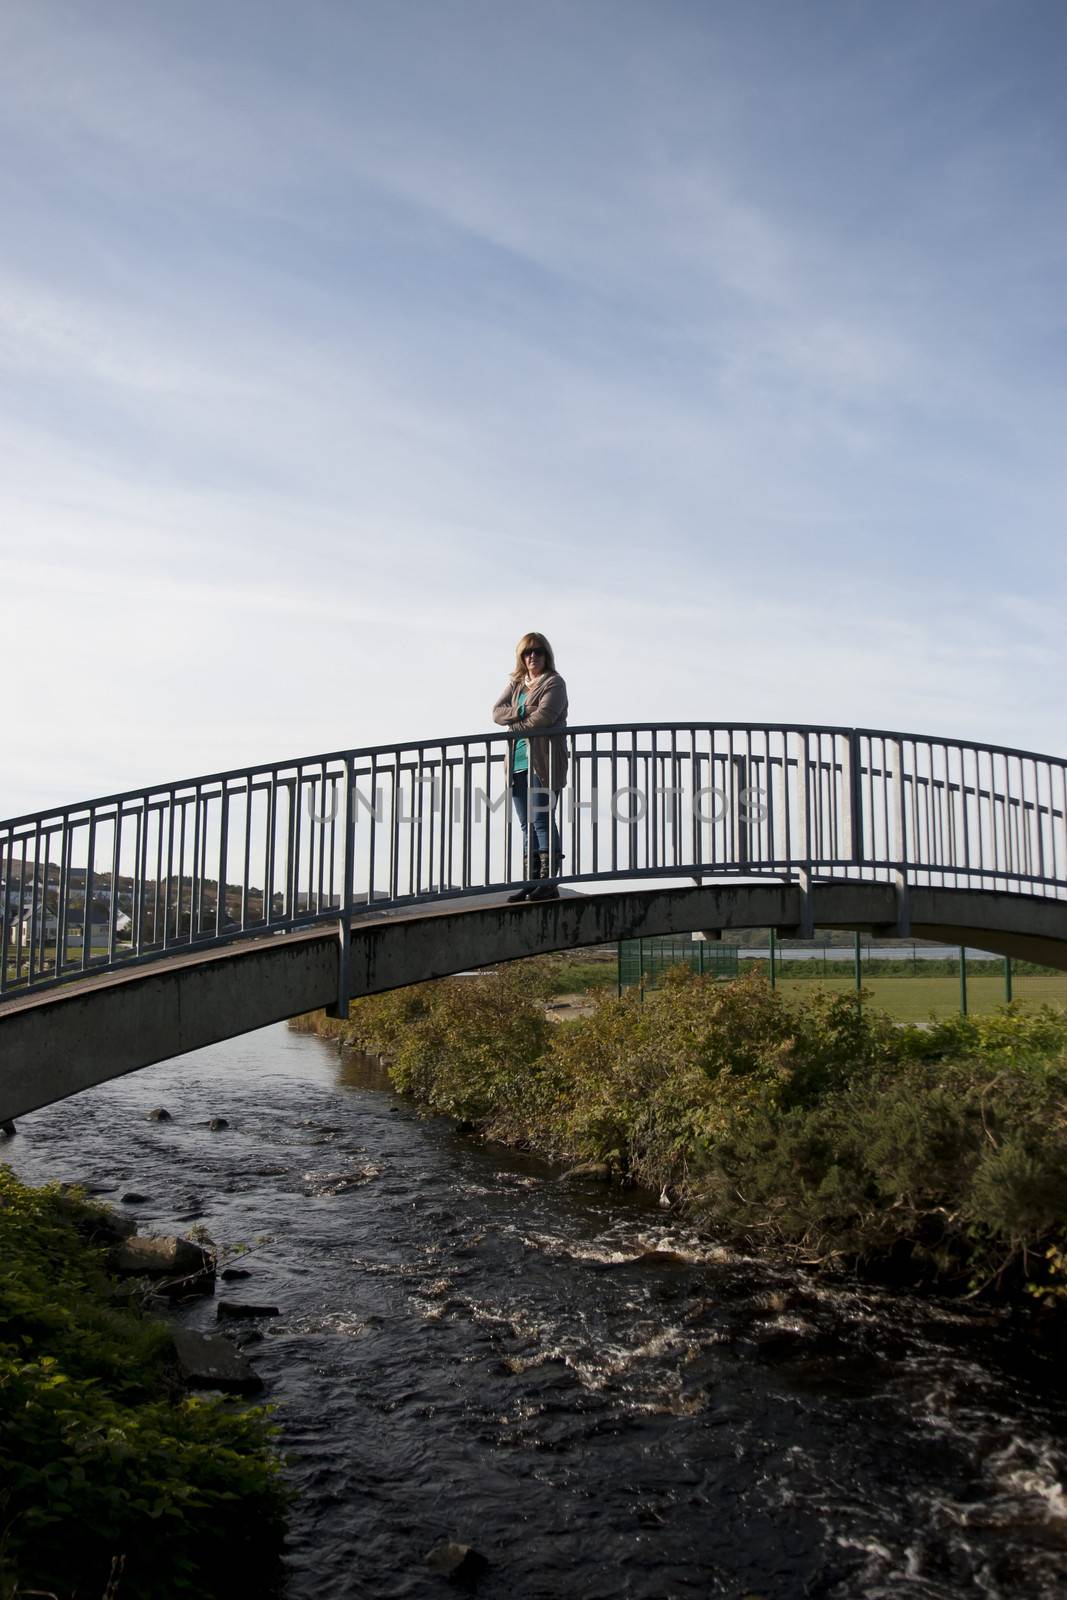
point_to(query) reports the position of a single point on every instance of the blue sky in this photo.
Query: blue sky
(340, 344)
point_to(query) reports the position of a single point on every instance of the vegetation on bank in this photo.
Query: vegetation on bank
(811, 1125)
(580, 977)
(111, 1480)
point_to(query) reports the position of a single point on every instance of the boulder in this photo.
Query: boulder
(178, 1265)
(588, 1172)
(217, 1124)
(113, 1226)
(134, 1199)
(230, 1309)
(459, 1563)
(207, 1361)
(160, 1114)
(100, 1221)
(160, 1257)
(230, 1273)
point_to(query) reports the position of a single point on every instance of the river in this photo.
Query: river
(601, 1402)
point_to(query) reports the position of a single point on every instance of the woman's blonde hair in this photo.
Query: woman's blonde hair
(525, 643)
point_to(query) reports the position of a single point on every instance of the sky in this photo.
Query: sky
(342, 343)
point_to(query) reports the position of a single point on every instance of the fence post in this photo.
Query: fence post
(1007, 980)
(858, 963)
(963, 980)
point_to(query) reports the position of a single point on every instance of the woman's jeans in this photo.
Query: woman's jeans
(535, 808)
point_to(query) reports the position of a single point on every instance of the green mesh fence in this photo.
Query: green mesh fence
(646, 960)
(908, 988)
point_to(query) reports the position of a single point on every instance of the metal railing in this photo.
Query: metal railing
(269, 849)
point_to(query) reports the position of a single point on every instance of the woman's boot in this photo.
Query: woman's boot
(526, 892)
(547, 888)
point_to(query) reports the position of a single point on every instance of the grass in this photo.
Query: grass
(913, 999)
(46, 958)
(907, 996)
(582, 977)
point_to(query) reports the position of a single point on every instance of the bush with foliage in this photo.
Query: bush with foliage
(815, 1125)
(462, 1045)
(102, 1458)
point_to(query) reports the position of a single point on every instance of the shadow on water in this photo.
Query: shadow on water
(602, 1402)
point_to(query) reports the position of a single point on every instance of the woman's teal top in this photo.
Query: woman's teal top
(520, 761)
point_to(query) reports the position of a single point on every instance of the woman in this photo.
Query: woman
(536, 697)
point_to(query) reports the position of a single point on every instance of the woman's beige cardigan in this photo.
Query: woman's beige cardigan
(546, 707)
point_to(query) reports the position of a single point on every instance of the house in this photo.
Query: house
(99, 921)
(21, 927)
(48, 929)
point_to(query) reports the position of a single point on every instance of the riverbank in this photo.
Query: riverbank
(935, 1156)
(112, 1480)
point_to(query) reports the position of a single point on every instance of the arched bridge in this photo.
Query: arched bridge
(142, 925)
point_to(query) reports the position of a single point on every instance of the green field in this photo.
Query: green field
(905, 993)
(913, 999)
(574, 976)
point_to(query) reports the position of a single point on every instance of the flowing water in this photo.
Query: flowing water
(597, 1399)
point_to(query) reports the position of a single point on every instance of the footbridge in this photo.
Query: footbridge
(142, 925)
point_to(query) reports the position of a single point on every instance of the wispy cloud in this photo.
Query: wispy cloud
(338, 350)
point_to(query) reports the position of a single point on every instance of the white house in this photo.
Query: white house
(48, 927)
(22, 927)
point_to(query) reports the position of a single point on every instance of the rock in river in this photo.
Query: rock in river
(181, 1266)
(242, 1308)
(588, 1171)
(207, 1361)
(457, 1562)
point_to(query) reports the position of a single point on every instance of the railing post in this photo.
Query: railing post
(854, 799)
(224, 841)
(741, 823)
(344, 921)
(5, 914)
(900, 848)
(805, 925)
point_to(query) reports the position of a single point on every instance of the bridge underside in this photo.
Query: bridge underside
(55, 1044)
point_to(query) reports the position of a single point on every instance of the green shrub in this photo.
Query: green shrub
(101, 1456)
(814, 1124)
(458, 1045)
